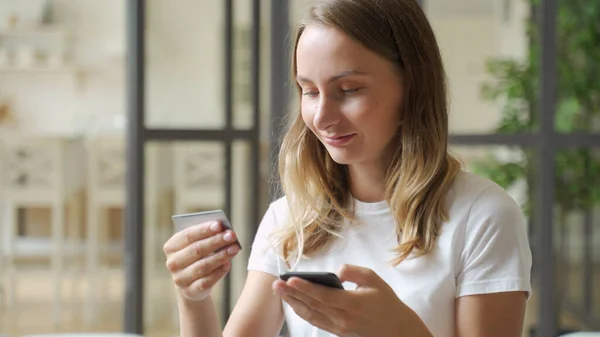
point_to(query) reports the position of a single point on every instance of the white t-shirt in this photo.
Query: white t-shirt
(483, 248)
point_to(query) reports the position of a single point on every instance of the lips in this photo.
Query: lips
(338, 141)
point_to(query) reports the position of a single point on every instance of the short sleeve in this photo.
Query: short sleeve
(496, 256)
(263, 253)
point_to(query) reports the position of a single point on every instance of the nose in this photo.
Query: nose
(327, 115)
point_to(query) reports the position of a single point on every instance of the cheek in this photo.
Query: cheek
(388, 131)
(382, 125)
(307, 115)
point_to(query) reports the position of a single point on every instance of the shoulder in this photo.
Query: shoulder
(478, 208)
(280, 205)
(264, 253)
(485, 216)
(279, 210)
(275, 217)
(472, 195)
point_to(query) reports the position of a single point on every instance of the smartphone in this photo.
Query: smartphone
(183, 221)
(322, 278)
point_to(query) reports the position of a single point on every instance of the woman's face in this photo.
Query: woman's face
(351, 96)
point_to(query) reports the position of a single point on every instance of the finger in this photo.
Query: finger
(308, 314)
(331, 297)
(209, 281)
(190, 235)
(205, 267)
(311, 300)
(358, 275)
(199, 250)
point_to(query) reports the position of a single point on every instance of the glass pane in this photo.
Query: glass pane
(570, 251)
(595, 254)
(160, 309)
(185, 177)
(185, 64)
(578, 95)
(265, 73)
(241, 213)
(242, 52)
(62, 166)
(189, 177)
(73, 281)
(577, 235)
(474, 36)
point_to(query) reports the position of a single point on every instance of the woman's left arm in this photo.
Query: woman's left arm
(494, 268)
(491, 315)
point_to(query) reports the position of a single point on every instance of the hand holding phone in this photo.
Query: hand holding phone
(323, 278)
(199, 253)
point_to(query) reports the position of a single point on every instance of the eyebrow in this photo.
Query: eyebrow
(336, 77)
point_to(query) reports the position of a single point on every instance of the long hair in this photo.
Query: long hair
(419, 171)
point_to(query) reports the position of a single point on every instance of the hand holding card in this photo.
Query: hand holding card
(183, 221)
(199, 253)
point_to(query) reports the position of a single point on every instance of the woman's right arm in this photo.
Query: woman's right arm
(258, 312)
(198, 258)
(197, 318)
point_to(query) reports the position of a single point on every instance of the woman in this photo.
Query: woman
(371, 192)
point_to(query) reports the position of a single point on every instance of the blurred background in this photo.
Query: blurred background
(115, 115)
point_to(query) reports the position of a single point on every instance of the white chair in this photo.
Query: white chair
(39, 172)
(157, 228)
(198, 174)
(106, 165)
(105, 162)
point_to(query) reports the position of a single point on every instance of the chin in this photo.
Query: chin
(343, 157)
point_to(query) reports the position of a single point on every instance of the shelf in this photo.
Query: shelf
(39, 69)
(30, 247)
(34, 31)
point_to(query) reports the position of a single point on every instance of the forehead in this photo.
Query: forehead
(323, 48)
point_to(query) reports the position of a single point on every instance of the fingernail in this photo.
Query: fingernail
(228, 236)
(214, 226)
(232, 250)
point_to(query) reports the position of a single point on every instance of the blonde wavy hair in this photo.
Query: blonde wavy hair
(420, 169)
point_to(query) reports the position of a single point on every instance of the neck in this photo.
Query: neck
(367, 182)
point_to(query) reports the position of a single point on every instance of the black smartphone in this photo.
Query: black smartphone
(322, 278)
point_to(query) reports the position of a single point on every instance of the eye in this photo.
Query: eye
(310, 93)
(350, 91)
